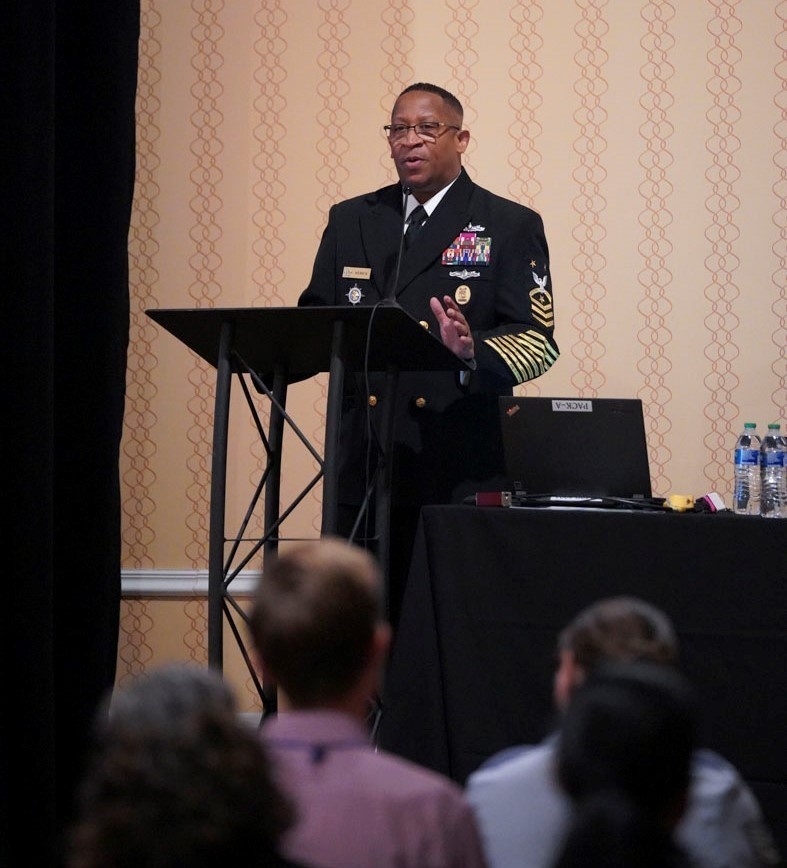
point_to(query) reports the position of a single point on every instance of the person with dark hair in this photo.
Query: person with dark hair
(473, 268)
(176, 778)
(522, 811)
(624, 757)
(318, 632)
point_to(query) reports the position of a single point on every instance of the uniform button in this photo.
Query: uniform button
(372, 400)
(420, 403)
(425, 324)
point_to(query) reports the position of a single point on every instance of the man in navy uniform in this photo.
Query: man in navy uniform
(473, 268)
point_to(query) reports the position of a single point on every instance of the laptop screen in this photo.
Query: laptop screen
(575, 447)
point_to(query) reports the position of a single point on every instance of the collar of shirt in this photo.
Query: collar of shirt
(315, 725)
(430, 204)
(316, 732)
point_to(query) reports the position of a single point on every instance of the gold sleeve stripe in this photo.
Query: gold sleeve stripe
(528, 354)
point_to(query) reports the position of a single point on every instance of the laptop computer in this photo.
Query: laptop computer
(575, 451)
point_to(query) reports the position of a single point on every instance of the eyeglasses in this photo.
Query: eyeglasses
(428, 131)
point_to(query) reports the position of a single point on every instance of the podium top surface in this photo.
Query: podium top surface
(300, 340)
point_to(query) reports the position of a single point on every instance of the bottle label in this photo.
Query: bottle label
(748, 457)
(773, 459)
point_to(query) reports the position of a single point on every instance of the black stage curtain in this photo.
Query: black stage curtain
(69, 84)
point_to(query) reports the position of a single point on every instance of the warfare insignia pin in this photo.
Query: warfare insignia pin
(354, 295)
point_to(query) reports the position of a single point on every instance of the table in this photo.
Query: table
(489, 589)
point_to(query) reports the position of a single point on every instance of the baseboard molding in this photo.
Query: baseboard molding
(180, 583)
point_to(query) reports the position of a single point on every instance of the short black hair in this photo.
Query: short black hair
(624, 758)
(444, 94)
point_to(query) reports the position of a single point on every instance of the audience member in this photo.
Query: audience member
(318, 630)
(623, 757)
(521, 810)
(177, 779)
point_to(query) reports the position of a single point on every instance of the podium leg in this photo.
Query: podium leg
(275, 443)
(333, 412)
(272, 507)
(218, 488)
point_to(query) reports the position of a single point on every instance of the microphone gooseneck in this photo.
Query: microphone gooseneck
(395, 283)
(388, 301)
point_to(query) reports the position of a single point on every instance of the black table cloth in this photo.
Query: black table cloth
(490, 588)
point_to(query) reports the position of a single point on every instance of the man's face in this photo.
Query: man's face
(427, 167)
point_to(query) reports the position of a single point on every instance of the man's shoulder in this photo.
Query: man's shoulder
(495, 203)
(723, 823)
(719, 794)
(521, 756)
(389, 195)
(516, 765)
(498, 790)
(411, 777)
(376, 772)
(712, 776)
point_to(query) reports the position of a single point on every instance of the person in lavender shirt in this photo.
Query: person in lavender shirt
(318, 632)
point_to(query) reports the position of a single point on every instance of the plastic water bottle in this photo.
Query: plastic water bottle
(773, 474)
(746, 487)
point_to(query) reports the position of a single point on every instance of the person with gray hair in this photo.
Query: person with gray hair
(521, 809)
(177, 778)
(318, 632)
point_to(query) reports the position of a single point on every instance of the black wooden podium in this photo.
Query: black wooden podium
(271, 348)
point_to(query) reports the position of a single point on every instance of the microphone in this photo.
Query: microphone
(395, 283)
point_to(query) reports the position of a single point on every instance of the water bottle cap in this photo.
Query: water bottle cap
(774, 426)
(749, 424)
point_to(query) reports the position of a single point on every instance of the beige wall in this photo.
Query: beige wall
(651, 136)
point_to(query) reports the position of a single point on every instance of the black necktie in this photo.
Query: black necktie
(415, 223)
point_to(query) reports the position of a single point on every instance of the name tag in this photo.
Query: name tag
(356, 272)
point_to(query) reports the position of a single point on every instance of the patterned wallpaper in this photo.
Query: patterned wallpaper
(651, 136)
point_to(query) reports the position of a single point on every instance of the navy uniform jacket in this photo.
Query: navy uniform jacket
(488, 253)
